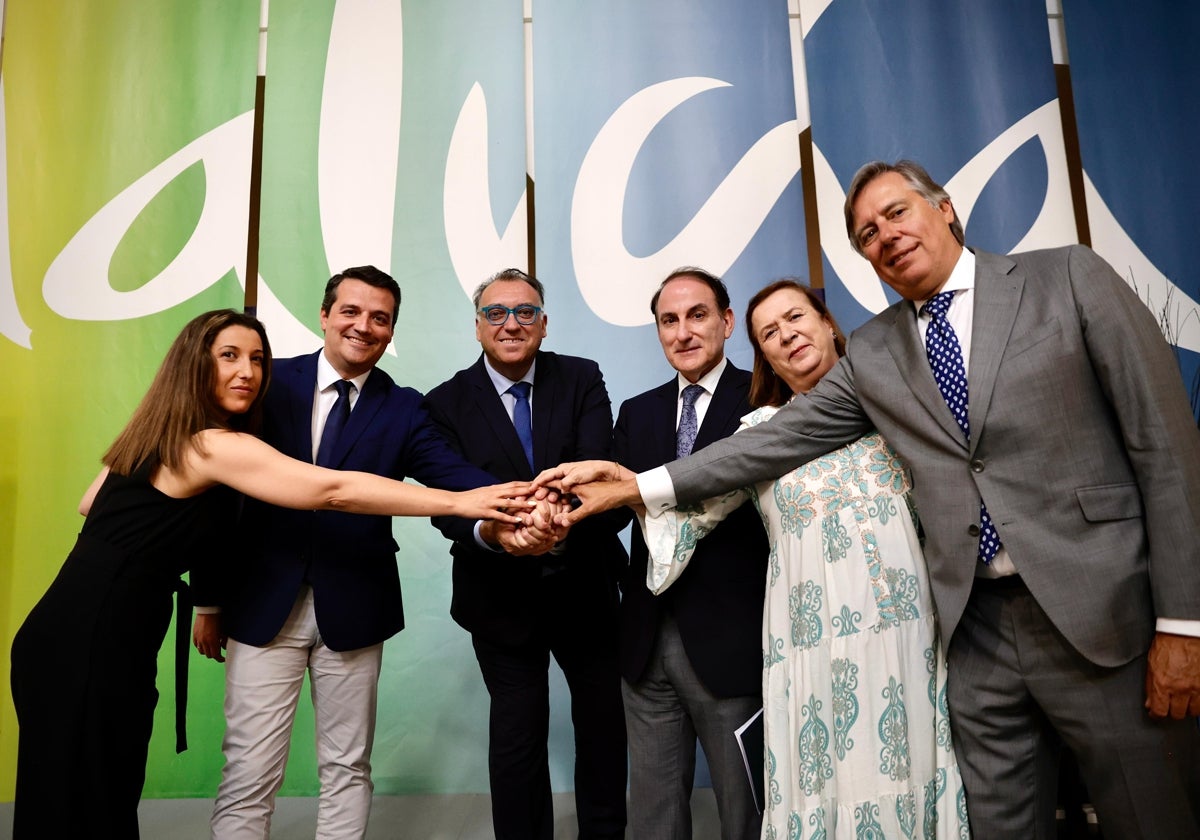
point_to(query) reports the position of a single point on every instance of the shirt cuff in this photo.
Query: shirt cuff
(1178, 626)
(657, 489)
(481, 542)
(207, 610)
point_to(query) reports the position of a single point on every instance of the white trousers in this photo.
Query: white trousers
(262, 689)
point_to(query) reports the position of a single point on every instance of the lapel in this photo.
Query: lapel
(664, 405)
(904, 343)
(366, 408)
(549, 397)
(998, 286)
(299, 377)
(723, 407)
(495, 417)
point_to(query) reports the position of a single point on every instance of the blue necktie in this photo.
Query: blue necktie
(523, 418)
(946, 359)
(688, 427)
(334, 423)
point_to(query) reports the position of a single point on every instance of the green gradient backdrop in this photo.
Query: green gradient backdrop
(97, 95)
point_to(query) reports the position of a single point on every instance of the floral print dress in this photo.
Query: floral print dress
(854, 681)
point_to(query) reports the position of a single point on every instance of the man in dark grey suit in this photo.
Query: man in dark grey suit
(691, 658)
(1080, 463)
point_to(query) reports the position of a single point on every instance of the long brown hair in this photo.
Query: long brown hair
(766, 387)
(182, 401)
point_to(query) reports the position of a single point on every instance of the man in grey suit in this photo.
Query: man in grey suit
(1061, 505)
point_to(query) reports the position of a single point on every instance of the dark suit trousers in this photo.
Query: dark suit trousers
(1018, 690)
(517, 681)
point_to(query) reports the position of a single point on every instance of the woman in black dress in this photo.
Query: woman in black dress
(84, 661)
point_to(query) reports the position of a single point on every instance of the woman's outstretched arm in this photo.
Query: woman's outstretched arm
(247, 464)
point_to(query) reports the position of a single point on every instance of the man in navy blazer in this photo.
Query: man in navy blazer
(691, 658)
(319, 591)
(521, 610)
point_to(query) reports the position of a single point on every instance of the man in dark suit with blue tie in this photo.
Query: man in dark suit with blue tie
(517, 410)
(691, 658)
(319, 591)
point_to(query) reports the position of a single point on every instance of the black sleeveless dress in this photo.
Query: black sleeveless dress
(84, 662)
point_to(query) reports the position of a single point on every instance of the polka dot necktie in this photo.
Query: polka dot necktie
(946, 359)
(686, 438)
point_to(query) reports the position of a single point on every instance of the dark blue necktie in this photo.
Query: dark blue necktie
(688, 426)
(334, 423)
(946, 359)
(523, 418)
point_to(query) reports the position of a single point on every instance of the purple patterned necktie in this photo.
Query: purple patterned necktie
(688, 427)
(946, 359)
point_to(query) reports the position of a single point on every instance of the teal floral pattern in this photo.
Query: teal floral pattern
(804, 605)
(817, 820)
(906, 814)
(866, 822)
(815, 764)
(835, 539)
(773, 795)
(773, 655)
(845, 705)
(846, 621)
(854, 682)
(893, 732)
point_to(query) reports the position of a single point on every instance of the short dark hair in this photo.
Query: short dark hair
(766, 386)
(917, 178)
(368, 274)
(711, 280)
(510, 274)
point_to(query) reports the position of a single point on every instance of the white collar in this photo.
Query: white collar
(501, 382)
(962, 278)
(708, 381)
(326, 375)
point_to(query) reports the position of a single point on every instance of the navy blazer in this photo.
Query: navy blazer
(717, 603)
(497, 596)
(350, 559)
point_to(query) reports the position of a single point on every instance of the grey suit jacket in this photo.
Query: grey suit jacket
(1082, 444)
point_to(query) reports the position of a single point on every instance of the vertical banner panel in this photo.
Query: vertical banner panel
(127, 130)
(394, 134)
(965, 89)
(1134, 75)
(665, 135)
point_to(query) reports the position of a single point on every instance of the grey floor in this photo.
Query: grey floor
(431, 817)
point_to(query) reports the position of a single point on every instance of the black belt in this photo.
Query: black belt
(183, 624)
(1004, 585)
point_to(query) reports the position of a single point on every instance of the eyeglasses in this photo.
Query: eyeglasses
(497, 315)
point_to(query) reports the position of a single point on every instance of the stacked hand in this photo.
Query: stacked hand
(598, 485)
(509, 503)
(537, 532)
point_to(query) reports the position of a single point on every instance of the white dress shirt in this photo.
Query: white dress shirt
(326, 396)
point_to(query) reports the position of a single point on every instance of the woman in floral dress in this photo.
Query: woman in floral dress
(854, 680)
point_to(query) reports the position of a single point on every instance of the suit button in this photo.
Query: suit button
(973, 530)
(977, 466)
